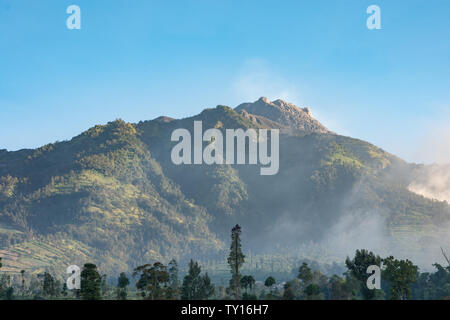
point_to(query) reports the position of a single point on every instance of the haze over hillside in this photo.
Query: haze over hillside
(112, 195)
(432, 182)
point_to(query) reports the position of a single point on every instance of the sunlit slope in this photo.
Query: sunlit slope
(113, 196)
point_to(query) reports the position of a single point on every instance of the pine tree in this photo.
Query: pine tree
(192, 282)
(207, 288)
(174, 283)
(235, 259)
(195, 286)
(90, 282)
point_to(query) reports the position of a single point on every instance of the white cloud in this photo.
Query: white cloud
(256, 79)
(434, 147)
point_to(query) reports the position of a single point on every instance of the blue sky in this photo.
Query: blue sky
(140, 59)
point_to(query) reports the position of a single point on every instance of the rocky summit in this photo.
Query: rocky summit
(281, 114)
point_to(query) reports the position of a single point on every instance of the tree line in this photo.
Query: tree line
(401, 280)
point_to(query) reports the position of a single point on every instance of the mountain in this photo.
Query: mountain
(282, 115)
(113, 196)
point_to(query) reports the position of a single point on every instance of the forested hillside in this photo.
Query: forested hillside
(112, 195)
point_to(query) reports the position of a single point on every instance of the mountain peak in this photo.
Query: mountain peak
(264, 99)
(164, 119)
(281, 114)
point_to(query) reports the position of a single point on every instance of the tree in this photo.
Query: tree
(207, 288)
(292, 289)
(440, 281)
(400, 274)
(312, 292)
(235, 259)
(35, 286)
(343, 289)
(153, 281)
(22, 273)
(191, 282)
(249, 296)
(305, 274)
(5, 285)
(174, 283)
(9, 293)
(247, 282)
(90, 283)
(64, 290)
(270, 281)
(122, 284)
(433, 286)
(289, 291)
(49, 285)
(358, 269)
(273, 292)
(195, 286)
(251, 282)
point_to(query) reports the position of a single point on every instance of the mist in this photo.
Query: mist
(433, 182)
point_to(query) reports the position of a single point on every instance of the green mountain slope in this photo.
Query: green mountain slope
(112, 195)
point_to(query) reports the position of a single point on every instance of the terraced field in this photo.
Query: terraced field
(38, 256)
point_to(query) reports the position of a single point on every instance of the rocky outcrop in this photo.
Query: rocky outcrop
(281, 114)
